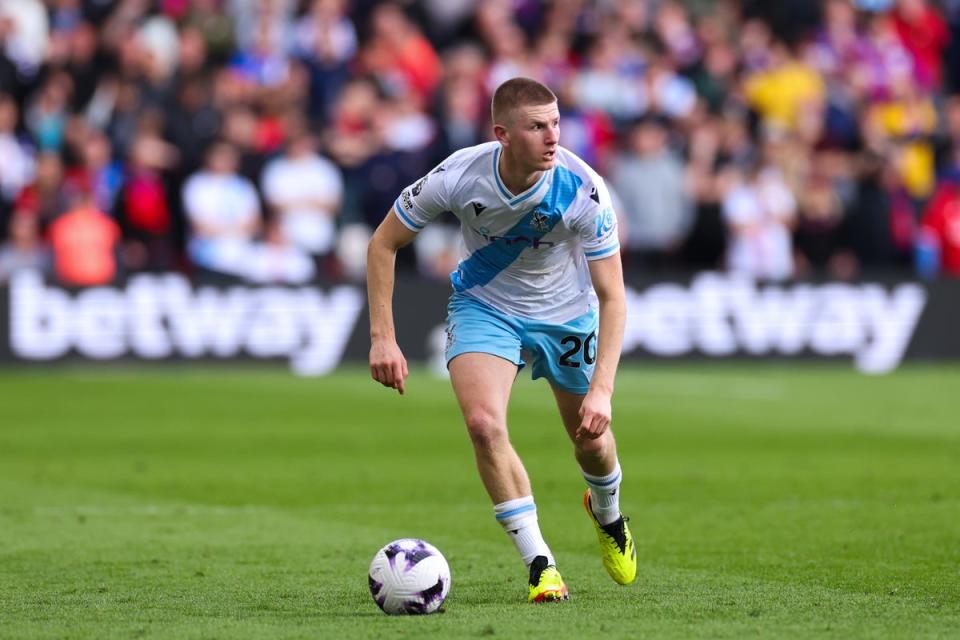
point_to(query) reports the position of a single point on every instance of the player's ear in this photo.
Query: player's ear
(500, 131)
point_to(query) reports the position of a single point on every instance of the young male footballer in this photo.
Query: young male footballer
(542, 273)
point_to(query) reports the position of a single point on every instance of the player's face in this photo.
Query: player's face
(534, 135)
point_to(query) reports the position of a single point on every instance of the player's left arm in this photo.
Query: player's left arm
(596, 410)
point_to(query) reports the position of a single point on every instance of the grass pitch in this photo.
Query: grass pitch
(802, 501)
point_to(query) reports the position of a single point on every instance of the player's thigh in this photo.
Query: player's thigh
(568, 404)
(482, 384)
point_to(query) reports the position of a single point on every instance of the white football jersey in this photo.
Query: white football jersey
(527, 253)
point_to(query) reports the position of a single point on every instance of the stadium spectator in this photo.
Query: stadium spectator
(784, 90)
(715, 79)
(240, 130)
(144, 211)
(462, 105)
(923, 32)
(194, 57)
(84, 242)
(17, 163)
(509, 55)
(951, 66)
(193, 121)
(25, 35)
(669, 93)
(214, 26)
(905, 126)
(610, 80)
(264, 62)
(818, 237)
(326, 41)
(941, 222)
(45, 198)
(401, 58)
(277, 260)
(760, 212)
(46, 114)
(303, 191)
(266, 23)
(870, 219)
(706, 242)
(650, 181)
(24, 248)
(673, 27)
(96, 170)
(224, 213)
(122, 107)
(948, 143)
(884, 61)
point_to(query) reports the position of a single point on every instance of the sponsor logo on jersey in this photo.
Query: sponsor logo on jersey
(534, 243)
(406, 200)
(478, 208)
(605, 222)
(594, 195)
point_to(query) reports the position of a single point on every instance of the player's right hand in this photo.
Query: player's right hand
(387, 364)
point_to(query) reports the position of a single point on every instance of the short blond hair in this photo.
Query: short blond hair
(518, 92)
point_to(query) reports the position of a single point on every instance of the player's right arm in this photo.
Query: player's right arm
(417, 205)
(387, 364)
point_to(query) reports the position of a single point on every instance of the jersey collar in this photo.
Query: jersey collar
(511, 199)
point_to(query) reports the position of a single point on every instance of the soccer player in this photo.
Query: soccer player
(543, 260)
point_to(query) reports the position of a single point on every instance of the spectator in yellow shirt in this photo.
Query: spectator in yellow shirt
(780, 93)
(906, 124)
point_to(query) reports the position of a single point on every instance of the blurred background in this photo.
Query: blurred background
(261, 141)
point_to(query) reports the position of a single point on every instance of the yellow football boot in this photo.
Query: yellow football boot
(616, 546)
(546, 585)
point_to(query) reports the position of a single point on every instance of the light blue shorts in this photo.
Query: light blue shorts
(564, 353)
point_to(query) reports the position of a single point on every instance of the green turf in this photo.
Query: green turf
(803, 501)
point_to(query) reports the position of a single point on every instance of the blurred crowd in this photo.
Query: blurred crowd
(263, 140)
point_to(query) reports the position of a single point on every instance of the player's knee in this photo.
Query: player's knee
(594, 447)
(484, 428)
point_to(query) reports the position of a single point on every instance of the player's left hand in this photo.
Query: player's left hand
(595, 415)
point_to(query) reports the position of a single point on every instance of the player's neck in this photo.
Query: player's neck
(515, 178)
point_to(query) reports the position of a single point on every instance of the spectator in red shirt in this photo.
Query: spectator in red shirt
(400, 56)
(84, 242)
(144, 207)
(924, 33)
(942, 220)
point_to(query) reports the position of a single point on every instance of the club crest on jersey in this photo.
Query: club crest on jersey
(540, 221)
(478, 208)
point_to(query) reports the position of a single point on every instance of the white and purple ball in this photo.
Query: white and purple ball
(409, 576)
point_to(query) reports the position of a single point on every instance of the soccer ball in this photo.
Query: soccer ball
(409, 576)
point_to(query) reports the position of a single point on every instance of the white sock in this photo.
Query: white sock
(605, 494)
(519, 519)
